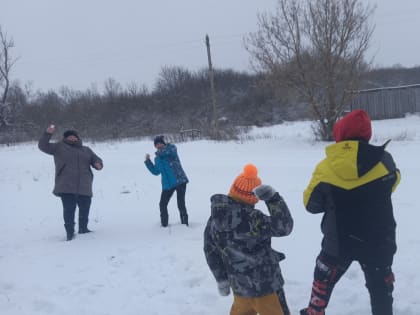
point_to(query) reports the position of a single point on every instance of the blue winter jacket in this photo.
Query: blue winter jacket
(167, 164)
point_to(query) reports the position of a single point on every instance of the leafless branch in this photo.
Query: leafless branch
(316, 47)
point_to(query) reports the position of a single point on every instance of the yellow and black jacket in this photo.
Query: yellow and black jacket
(352, 186)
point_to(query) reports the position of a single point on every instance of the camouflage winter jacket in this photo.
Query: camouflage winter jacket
(237, 244)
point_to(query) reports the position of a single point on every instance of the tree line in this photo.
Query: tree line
(179, 100)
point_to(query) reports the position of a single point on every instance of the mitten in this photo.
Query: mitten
(223, 287)
(264, 192)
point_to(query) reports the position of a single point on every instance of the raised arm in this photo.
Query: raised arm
(44, 142)
(281, 221)
(151, 167)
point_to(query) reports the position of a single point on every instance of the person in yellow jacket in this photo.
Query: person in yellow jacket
(352, 187)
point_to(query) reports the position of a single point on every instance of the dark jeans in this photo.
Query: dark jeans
(70, 201)
(180, 198)
(328, 271)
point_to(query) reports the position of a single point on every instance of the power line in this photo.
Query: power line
(118, 57)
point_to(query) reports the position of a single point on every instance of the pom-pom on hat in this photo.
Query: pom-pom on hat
(241, 189)
(356, 125)
(159, 139)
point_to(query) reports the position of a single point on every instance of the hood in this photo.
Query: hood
(352, 159)
(226, 212)
(77, 143)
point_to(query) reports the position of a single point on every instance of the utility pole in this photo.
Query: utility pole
(213, 93)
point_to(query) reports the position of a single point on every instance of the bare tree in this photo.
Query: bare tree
(172, 80)
(112, 88)
(316, 47)
(135, 90)
(6, 64)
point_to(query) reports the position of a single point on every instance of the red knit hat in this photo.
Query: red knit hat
(356, 125)
(243, 185)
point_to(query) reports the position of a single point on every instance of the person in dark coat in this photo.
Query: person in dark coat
(73, 176)
(352, 187)
(168, 164)
(237, 245)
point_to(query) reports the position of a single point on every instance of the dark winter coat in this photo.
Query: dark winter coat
(237, 244)
(73, 162)
(352, 186)
(168, 165)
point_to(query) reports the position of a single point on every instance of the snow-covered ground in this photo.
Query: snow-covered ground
(130, 265)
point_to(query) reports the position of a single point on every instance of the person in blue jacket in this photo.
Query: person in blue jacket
(168, 165)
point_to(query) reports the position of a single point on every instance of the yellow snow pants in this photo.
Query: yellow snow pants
(263, 305)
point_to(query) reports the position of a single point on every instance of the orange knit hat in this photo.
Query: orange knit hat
(243, 185)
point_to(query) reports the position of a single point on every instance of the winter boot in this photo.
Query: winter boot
(83, 230)
(83, 223)
(69, 231)
(164, 218)
(70, 236)
(184, 219)
(311, 311)
(83, 227)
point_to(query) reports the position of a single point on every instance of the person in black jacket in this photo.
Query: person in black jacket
(237, 245)
(352, 187)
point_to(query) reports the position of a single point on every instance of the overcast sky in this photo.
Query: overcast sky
(82, 42)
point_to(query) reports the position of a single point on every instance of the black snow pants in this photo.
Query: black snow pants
(180, 198)
(328, 271)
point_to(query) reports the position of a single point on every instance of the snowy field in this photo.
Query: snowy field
(132, 266)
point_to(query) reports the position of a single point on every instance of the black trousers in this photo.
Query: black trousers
(283, 302)
(70, 201)
(328, 271)
(180, 198)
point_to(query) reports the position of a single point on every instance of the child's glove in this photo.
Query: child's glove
(264, 192)
(223, 287)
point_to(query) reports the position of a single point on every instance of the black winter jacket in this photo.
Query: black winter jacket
(352, 186)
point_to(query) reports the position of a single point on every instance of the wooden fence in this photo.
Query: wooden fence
(390, 102)
(190, 134)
